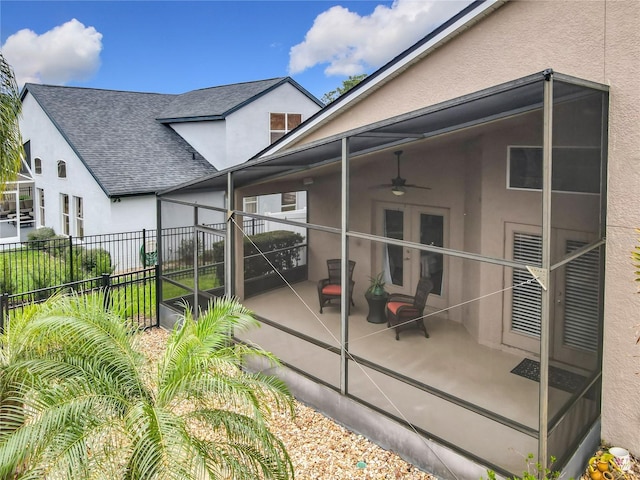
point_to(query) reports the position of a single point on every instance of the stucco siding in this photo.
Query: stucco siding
(621, 363)
(207, 137)
(248, 128)
(48, 144)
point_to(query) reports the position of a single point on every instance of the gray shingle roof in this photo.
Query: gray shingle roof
(117, 137)
(215, 102)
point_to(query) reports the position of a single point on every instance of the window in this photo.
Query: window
(288, 201)
(62, 169)
(27, 153)
(40, 207)
(64, 210)
(282, 123)
(250, 204)
(79, 216)
(575, 169)
(37, 165)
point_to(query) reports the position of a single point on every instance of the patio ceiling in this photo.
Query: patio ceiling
(498, 102)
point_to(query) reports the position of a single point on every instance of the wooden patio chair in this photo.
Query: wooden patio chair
(404, 311)
(330, 288)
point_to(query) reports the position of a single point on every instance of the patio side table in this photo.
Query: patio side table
(376, 308)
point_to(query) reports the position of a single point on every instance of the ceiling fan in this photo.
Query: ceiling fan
(398, 184)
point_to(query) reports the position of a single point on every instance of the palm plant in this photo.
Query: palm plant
(81, 401)
(10, 140)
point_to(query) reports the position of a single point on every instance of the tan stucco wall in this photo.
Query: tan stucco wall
(594, 40)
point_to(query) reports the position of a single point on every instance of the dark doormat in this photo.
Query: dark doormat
(558, 378)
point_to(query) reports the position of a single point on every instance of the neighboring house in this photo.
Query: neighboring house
(99, 156)
(522, 120)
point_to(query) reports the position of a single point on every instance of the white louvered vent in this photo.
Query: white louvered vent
(581, 299)
(526, 306)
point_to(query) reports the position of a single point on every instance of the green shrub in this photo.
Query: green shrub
(39, 238)
(97, 262)
(278, 246)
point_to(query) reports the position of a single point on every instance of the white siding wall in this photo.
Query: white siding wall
(248, 128)
(50, 146)
(208, 138)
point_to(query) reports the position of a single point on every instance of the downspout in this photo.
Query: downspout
(344, 278)
(547, 167)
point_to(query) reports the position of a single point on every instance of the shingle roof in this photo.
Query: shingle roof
(117, 137)
(215, 102)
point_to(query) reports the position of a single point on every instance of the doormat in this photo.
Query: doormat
(558, 378)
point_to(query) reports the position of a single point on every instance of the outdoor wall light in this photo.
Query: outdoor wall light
(307, 181)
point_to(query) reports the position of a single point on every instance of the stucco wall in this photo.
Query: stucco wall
(48, 144)
(597, 41)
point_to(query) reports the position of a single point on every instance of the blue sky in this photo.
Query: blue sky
(177, 46)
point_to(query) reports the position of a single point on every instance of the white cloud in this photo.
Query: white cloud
(67, 52)
(351, 44)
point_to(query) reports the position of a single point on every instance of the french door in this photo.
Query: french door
(574, 292)
(403, 266)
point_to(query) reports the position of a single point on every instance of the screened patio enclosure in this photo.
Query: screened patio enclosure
(502, 207)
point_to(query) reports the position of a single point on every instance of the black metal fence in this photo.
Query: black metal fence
(123, 264)
(119, 264)
(133, 295)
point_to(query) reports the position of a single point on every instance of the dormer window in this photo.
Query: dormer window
(62, 169)
(283, 123)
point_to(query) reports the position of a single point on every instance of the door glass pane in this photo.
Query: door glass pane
(393, 263)
(432, 264)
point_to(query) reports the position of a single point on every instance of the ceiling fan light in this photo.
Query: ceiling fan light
(398, 191)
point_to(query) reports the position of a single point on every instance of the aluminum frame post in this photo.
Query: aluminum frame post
(344, 274)
(196, 279)
(229, 248)
(546, 304)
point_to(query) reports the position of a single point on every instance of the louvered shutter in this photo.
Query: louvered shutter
(581, 299)
(526, 308)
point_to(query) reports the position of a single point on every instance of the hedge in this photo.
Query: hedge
(279, 246)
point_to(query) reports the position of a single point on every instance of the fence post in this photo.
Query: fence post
(71, 279)
(4, 311)
(143, 255)
(158, 294)
(106, 288)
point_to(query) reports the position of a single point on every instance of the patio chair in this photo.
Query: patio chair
(330, 288)
(404, 311)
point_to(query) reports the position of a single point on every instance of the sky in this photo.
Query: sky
(178, 46)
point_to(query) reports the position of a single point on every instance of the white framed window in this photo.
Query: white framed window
(575, 169)
(78, 209)
(41, 207)
(37, 166)
(283, 123)
(288, 201)
(250, 204)
(62, 169)
(64, 214)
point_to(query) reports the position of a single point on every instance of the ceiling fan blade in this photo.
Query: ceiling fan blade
(417, 186)
(382, 185)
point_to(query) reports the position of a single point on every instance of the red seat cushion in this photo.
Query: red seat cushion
(332, 290)
(394, 306)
